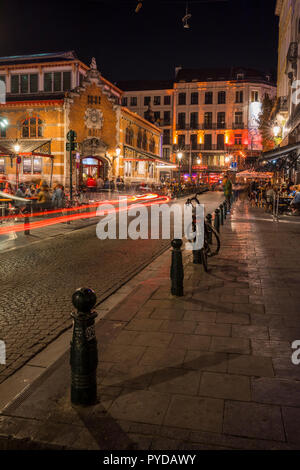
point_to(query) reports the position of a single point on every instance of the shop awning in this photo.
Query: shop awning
(27, 147)
(283, 157)
(280, 152)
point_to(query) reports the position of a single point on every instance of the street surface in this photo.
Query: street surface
(39, 275)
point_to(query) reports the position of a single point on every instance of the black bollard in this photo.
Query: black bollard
(176, 272)
(217, 220)
(225, 209)
(209, 220)
(221, 214)
(84, 353)
(26, 225)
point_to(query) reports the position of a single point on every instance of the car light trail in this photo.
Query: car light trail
(154, 199)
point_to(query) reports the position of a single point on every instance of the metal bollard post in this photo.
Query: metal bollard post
(221, 214)
(224, 210)
(217, 220)
(84, 353)
(176, 272)
(26, 223)
(209, 220)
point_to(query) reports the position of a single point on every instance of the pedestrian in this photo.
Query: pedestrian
(227, 187)
(58, 197)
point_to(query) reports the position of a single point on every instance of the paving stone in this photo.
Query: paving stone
(198, 316)
(230, 345)
(129, 376)
(248, 308)
(284, 334)
(284, 368)
(250, 365)
(155, 338)
(147, 324)
(233, 318)
(270, 348)
(141, 405)
(253, 420)
(213, 329)
(227, 386)
(167, 314)
(172, 380)
(126, 337)
(122, 353)
(163, 443)
(250, 331)
(205, 361)
(195, 413)
(291, 419)
(196, 342)
(163, 357)
(178, 326)
(276, 391)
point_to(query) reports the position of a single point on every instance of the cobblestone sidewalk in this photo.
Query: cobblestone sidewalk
(211, 370)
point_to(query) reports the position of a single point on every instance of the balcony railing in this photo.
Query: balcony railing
(207, 147)
(238, 125)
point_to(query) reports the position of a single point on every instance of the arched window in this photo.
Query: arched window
(129, 136)
(32, 128)
(152, 145)
(145, 141)
(139, 139)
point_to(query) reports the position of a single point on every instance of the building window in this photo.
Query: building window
(2, 165)
(133, 101)
(194, 121)
(129, 136)
(166, 153)
(166, 137)
(194, 98)
(238, 139)
(254, 96)
(181, 120)
(207, 141)
(221, 117)
(193, 141)
(3, 132)
(3, 78)
(181, 98)
(221, 97)
(208, 120)
(156, 101)
(124, 101)
(181, 141)
(152, 145)
(156, 116)
(220, 142)
(240, 76)
(57, 81)
(147, 100)
(93, 99)
(150, 170)
(24, 83)
(139, 139)
(37, 165)
(238, 117)
(167, 118)
(208, 97)
(239, 96)
(145, 141)
(32, 128)
(167, 100)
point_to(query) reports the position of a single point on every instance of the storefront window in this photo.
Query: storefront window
(37, 165)
(141, 168)
(128, 168)
(27, 164)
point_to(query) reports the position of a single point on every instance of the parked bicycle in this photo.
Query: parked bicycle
(212, 244)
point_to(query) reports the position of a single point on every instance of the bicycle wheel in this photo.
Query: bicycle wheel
(215, 245)
(204, 259)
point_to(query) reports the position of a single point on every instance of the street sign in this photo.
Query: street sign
(71, 135)
(233, 165)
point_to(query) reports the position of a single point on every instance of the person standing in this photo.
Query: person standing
(227, 187)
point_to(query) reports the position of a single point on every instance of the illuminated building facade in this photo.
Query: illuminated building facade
(49, 94)
(213, 115)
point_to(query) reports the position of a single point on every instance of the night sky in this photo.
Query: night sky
(148, 44)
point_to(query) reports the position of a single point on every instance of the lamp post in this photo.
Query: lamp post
(179, 156)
